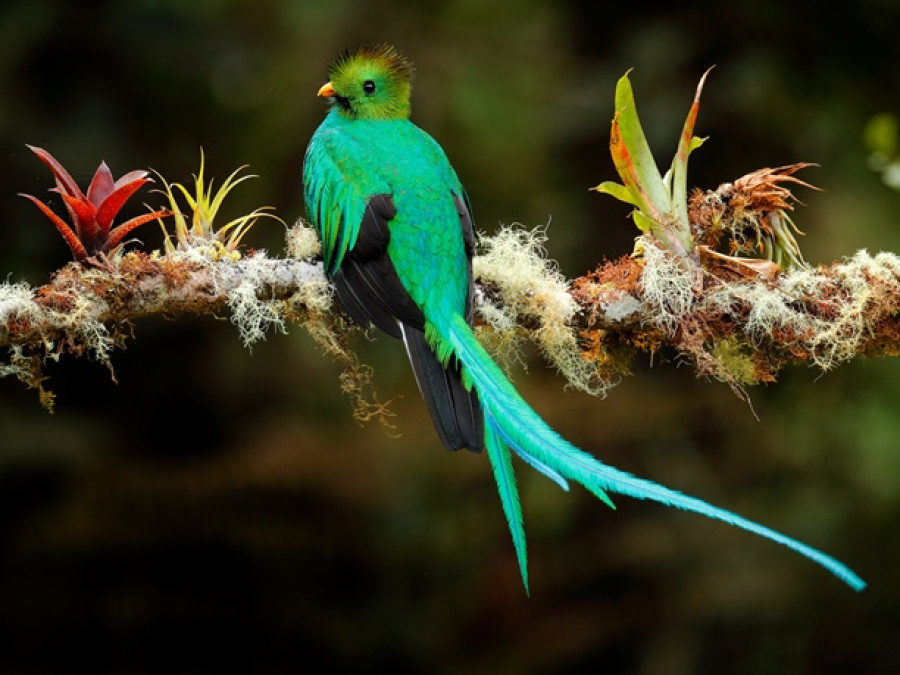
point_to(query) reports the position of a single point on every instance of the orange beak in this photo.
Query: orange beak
(327, 90)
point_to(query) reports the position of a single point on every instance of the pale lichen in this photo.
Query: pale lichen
(252, 316)
(302, 241)
(248, 284)
(827, 312)
(534, 299)
(667, 286)
(16, 303)
(88, 310)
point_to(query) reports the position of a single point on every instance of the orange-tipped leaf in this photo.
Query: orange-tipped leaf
(75, 245)
(686, 145)
(632, 157)
(119, 232)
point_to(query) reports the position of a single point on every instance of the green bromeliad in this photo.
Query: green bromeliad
(397, 240)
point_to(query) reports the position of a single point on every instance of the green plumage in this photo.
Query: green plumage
(397, 240)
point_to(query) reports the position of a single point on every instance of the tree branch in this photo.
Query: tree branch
(717, 276)
(733, 323)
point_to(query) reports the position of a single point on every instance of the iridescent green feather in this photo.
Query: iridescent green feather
(531, 438)
(366, 147)
(333, 196)
(501, 464)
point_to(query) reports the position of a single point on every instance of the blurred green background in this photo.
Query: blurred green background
(219, 509)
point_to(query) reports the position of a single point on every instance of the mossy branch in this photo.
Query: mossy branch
(738, 328)
(717, 278)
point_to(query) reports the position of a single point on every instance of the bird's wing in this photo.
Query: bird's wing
(370, 291)
(464, 209)
(336, 195)
(367, 283)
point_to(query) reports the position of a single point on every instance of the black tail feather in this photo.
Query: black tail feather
(455, 412)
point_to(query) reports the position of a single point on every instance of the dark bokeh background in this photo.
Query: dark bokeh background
(218, 509)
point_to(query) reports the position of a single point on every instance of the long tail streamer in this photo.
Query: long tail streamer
(510, 423)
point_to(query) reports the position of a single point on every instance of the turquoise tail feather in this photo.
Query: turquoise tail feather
(501, 463)
(532, 461)
(511, 423)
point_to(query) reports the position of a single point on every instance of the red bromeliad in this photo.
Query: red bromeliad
(91, 215)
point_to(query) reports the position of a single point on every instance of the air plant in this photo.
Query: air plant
(660, 201)
(204, 204)
(748, 218)
(751, 215)
(90, 231)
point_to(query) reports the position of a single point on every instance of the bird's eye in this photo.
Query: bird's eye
(369, 87)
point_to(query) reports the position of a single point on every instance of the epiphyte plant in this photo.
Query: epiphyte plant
(204, 204)
(90, 231)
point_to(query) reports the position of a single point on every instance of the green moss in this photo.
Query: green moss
(735, 357)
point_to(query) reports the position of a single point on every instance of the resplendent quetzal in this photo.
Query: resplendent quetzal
(397, 242)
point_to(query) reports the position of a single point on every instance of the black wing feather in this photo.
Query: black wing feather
(369, 290)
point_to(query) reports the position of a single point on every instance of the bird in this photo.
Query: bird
(397, 243)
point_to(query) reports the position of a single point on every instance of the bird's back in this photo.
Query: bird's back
(426, 242)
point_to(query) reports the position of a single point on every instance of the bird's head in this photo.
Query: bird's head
(372, 82)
